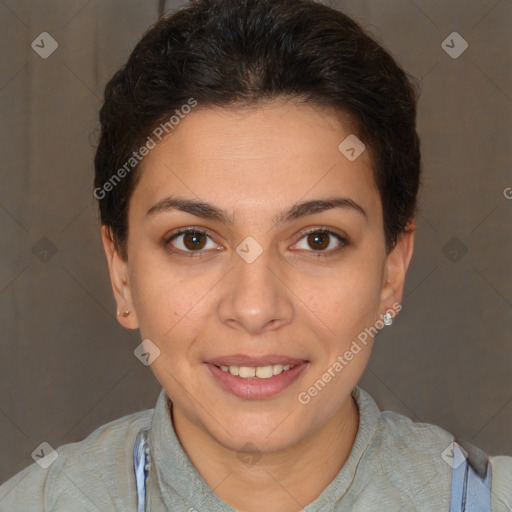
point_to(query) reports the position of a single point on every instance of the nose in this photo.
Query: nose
(256, 298)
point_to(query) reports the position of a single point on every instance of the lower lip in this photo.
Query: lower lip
(255, 388)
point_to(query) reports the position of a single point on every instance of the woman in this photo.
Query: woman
(257, 176)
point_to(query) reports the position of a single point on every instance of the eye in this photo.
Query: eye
(320, 239)
(186, 242)
(189, 240)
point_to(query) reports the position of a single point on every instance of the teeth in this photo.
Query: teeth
(261, 372)
(277, 369)
(246, 371)
(264, 372)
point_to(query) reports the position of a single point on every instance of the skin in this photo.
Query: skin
(255, 163)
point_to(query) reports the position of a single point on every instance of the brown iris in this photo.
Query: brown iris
(197, 240)
(321, 240)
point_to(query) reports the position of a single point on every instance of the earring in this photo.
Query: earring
(388, 319)
(125, 313)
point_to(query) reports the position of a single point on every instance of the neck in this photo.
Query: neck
(290, 479)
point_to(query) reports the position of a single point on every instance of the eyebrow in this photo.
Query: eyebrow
(298, 210)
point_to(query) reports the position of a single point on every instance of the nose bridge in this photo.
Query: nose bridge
(256, 299)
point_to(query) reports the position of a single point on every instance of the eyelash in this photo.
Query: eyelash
(321, 254)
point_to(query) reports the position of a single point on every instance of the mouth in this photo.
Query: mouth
(256, 377)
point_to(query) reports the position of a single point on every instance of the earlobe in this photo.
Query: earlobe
(118, 270)
(397, 264)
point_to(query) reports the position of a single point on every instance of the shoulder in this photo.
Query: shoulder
(420, 450)
(432, 445)
(398, 436)
(415, 436)
(424, 451)
(501, 487)
(403, 463)
(82, 475)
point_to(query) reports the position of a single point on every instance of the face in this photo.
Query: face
(284, 263)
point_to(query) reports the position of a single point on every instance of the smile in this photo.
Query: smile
(256, 382)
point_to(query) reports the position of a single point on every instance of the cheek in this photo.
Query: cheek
(155, 298)
(168, 303)
(346, 301)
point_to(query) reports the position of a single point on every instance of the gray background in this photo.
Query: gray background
(68, 367)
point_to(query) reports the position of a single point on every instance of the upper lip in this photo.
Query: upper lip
(244, 360)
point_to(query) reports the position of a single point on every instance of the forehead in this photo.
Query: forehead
(267, 156)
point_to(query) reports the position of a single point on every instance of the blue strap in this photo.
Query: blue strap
(469, 491)
(141, 467)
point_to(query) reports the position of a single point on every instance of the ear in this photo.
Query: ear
(121, 287)
(396, 265)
